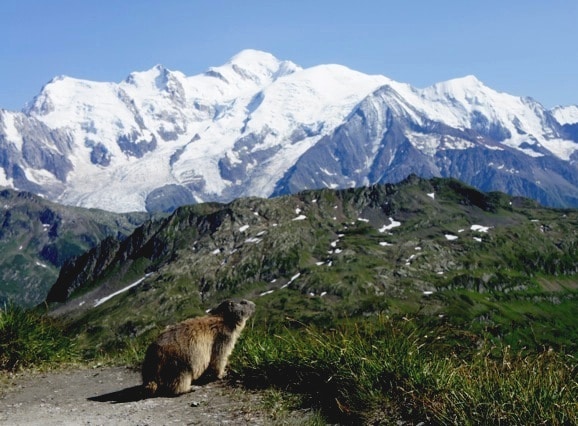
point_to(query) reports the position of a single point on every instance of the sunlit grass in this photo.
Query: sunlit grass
(29, 340)
(356, 371)
(384, 370)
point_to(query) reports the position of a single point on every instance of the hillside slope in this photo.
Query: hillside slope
(37, 237)
(435, 247)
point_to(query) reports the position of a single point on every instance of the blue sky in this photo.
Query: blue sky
(525, 48)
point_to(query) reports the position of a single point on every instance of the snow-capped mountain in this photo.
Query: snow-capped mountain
(259, 126)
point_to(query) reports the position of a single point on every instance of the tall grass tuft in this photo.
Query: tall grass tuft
(30, 340)
(383, 370)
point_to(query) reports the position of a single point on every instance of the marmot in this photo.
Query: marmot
(183, 352)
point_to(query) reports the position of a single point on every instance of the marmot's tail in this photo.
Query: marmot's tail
(150, 388)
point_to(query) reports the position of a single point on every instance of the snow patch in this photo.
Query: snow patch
(4, 181)
(293, 278)
(116, 293)
(13, 136)
(392, 224)
(480, 228)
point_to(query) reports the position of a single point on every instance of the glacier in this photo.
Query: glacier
(261, 126)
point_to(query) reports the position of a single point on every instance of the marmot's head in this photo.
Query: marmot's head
(234, 311)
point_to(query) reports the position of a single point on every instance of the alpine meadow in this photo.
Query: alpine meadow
(422, 301)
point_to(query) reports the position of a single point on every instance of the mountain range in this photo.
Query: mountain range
(260, 126)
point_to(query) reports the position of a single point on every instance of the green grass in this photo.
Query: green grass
(358, 370)
(383, 370)
(29, 340)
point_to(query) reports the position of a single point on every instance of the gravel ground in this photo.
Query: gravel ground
(111, 396)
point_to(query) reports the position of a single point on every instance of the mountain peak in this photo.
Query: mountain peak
(460, 84)
(258, 65)
(59, 89)
(470, 80)
(466, 90)
(566, 114)
(140, 78)
(252, 56)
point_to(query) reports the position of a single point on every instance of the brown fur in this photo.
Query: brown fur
(185, 351)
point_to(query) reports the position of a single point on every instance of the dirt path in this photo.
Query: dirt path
(111, 396)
